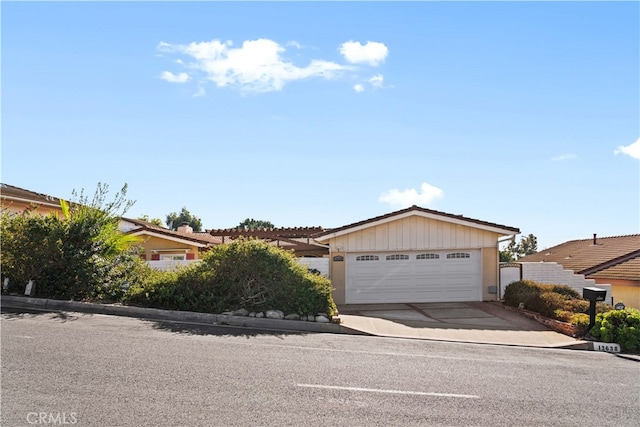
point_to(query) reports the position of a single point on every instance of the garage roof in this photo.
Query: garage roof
(418, 211)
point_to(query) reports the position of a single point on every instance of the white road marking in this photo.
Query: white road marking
(377, 390)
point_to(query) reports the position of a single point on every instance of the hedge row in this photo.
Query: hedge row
(553, 301)
(248, 274)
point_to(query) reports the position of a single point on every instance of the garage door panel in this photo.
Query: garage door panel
(414, 277)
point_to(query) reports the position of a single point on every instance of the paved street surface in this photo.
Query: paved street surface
(96, 370)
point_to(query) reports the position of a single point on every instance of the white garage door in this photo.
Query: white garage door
(433, 276)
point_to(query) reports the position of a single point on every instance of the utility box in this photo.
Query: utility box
(594, 294)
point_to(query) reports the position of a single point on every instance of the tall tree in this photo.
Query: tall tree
(154, 221)
(526, 246)
(253, 224)
(175, 220)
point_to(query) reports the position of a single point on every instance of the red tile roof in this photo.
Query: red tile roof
(610, 257)
(629, 270)
(10, 192)
(198, 237)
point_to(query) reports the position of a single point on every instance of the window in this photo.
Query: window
(458, 255)
(173, 257)
(427, 256)
(396, 257)
(367, 258)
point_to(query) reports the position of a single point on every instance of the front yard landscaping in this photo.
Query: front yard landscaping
(564, 305)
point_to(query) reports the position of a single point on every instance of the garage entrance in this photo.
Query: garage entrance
(417, 276)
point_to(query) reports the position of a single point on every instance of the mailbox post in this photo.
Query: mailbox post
(593, 295)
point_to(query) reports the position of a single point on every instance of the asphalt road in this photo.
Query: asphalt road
(95, 370)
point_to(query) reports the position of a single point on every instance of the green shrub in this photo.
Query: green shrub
(565, 290)
(546, 303)
(558, 302)
(562, 315)
(581, 322)
(577, 305)
(619, 326)
(80, 255)
(247, 274)
(521, 292)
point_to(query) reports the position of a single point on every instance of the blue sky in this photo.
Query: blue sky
(328, 113)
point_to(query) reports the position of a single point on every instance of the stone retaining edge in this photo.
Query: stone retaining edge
(174, 315)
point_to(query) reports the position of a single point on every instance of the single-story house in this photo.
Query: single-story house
(17, 200)
(607, 260)
(415, 255)
(164, 248)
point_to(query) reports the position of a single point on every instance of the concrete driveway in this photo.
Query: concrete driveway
(473, 322)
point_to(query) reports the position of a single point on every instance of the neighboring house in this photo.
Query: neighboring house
(415, 255)
(164, 248)
(607, 260)
(297, 239)
(17, 200)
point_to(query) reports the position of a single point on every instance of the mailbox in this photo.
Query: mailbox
(594, 294)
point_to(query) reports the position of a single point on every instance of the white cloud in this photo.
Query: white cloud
(200, 92)
(409, 197)
(256, 66)
(632, 149)
(566, 156)
(372, 53)
(377, 80)
(175, 78)
(358, 88)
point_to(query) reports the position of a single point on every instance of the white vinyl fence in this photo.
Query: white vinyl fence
(320, 264)
(546, 272)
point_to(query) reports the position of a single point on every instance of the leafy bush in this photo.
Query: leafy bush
(558, 302)
(546, 303)
(619, 326)
(247, 274)
(566, 291)
(521, 292)
(81, 255)
(581, 322)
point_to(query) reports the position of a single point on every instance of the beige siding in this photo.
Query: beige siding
(625, 291)
(490, 272)
(415, 233)
(153, 243)
(337, 274)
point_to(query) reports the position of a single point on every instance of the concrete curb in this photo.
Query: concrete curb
(174, 315)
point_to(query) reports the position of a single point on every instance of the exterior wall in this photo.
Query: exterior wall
(490, 273)
(555, 274)
(319, 263)
(337, 274)
(15, 206)
(151, 243)
(625, 291)
(169, 265)
(415, 233)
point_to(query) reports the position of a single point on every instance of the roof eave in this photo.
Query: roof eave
(191, 242)
(502, 231)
